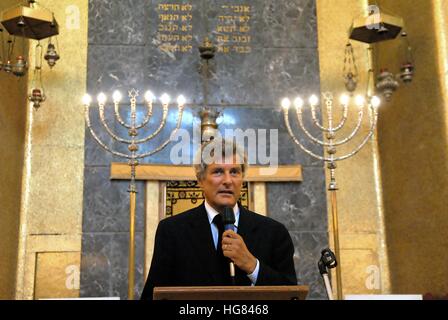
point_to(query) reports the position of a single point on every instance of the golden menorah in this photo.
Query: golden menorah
(133, 146)
(330, 131)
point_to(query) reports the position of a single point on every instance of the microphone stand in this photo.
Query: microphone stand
(327, 261)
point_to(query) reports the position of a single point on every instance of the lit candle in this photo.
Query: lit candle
(181, 100)
(298, 103)
(345, 99)
(314, 100)
(102, 98)
(286, 103)
(375, 101)
(165, 99)
(360, 101)
(86, 100)
(116, 96)
(149, 97)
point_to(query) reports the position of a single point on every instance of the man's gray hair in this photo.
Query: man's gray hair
(218, 150)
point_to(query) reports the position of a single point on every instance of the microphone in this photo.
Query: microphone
(228, 219)
(327, 260)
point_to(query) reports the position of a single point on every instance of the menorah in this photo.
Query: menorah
(330, 131)
(133, 143)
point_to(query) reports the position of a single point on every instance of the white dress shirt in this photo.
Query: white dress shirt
(211, 213)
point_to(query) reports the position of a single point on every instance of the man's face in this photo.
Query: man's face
(222, 184)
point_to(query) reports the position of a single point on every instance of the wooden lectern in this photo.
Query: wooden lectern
(231, 293)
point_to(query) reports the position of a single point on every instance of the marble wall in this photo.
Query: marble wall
(123, 53)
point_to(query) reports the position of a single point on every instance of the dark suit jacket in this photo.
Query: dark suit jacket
(184, 247)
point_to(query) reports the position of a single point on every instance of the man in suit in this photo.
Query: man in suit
(189, 249)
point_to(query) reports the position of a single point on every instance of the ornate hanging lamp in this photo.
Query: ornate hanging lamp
(387, 84)
(28, 22)
(208, 115)
(350, 71)
(376, 27)
(20, 67)
(2, 49)
(7, 66)
(52, 54)
(31, 22)
(407, 67)
(37, 94)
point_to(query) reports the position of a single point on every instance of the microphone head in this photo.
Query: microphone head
(228, 218)
(328, 258)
